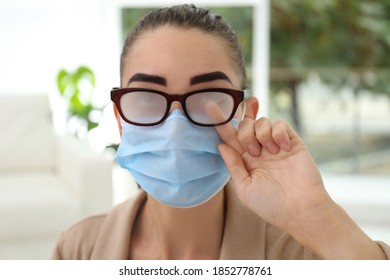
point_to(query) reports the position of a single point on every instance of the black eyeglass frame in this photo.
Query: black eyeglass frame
(117, 93)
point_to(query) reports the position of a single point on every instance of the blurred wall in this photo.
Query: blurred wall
(39, 37)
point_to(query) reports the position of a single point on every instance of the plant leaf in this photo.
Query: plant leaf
(84, 72)
(92, 125)
(76, 107)
(62, 80)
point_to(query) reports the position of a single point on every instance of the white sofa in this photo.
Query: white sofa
(47, 181)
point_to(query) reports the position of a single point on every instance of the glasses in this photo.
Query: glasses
(206, 107)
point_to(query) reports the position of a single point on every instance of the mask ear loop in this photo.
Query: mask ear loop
(240, 113)
(243, 109)
(122, 121)
(246, 95)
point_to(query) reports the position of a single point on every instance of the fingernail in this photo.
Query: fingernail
(285, 146)
(254, 150)
(273, 148)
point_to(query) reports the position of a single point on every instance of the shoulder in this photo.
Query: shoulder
(86, 238)
(78, 241)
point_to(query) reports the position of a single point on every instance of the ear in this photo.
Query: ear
(118, 119)
(251, 108)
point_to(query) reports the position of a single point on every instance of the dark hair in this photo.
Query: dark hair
(187, 17)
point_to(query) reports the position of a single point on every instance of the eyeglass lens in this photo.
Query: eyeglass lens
(209, 107)
(143, 107)
(205, 107)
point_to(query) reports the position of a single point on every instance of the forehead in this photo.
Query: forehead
(176, 52)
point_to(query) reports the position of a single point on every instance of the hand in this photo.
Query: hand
(276, 177)
(272, 169)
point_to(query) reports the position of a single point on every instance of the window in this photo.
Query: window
(329, 69)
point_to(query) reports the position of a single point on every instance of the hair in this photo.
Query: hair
(188, 17)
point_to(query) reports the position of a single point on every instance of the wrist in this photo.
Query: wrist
(330, 233)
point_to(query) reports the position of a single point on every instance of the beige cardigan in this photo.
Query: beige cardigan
(246, 236)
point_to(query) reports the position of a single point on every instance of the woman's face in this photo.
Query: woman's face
(177, 61)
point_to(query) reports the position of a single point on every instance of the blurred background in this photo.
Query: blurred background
(323, 66)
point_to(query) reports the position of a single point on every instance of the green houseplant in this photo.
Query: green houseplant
(77, 88)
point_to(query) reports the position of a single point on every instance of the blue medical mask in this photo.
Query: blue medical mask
(176, 162)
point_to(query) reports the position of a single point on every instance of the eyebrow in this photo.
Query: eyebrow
(198, 79)
(209, 77)
(141, 77)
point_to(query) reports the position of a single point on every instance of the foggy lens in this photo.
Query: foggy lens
(210, 107)
(143, 107)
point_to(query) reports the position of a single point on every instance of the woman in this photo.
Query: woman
(185, 133)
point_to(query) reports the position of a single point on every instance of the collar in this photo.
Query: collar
(244, 232)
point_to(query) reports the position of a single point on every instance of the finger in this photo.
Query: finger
(227, 132)
(234, 164)
(281, 133)
(229, 135)
(263, 130)
(251, 108)
(214, 112)
(247, 137)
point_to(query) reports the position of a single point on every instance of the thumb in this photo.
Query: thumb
(234, 164)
